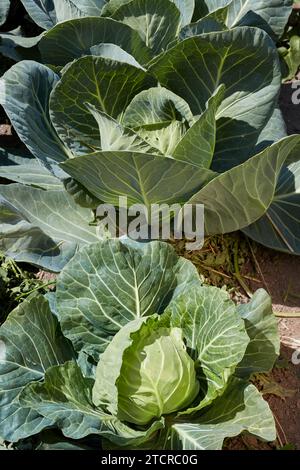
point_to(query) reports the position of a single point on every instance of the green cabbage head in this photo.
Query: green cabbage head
(156, 377)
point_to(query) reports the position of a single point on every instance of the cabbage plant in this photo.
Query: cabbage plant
(179, 109)
(134, 351)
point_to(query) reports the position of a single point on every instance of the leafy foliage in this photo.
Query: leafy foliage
(166, 107)
(162, 101)
(148, 314)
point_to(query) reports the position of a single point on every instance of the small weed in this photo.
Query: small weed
(16, 283)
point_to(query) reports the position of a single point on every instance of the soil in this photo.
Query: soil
(286, 408)
(279, 274)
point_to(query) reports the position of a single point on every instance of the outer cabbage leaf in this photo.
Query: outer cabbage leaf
(10, 156)
(44, 228)
(262, 329)
(4, 9)
(270, 15)
(279, 228)
(157, 21)
(266, 14)
(109, 284)
(26, 170)
(73, 39)
(17, 47)
(33, 327)
(24, 94)
(68, 9)
(65, 398)
(81, 195)
(246, 61)
(142, 178)
(203, 26)
(42, 12)
(185, 7)
(274, 131)
(46, 13)
(240, 196)
(241, 408)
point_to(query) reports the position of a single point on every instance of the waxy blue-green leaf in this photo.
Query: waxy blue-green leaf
(205, 25)
(157, 21)
(109, 284)
(262, 329)
(4, 9)
(185, 7)
(107, 84)
(274, 131)
(271, 15)
(241, 408)
(17, 47)
(213, 21)
(73, 39)
(30, 173)
(80, 194)
(142, 178)
(279, 228)
(24, 94)
(215, 335)
(242, 195)
(112, 6)
(69, 9)
(46, 13)
(25, 242)
(65, 398)
(198, 144)
(32, 342)
(42, 227)
(246, 61)
(113, 52)
(42, 12)
(15, 156)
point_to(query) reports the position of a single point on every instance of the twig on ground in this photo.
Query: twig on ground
(258, 267)
(237, 270)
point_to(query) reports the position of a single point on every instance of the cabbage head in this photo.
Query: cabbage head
(157, 375)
